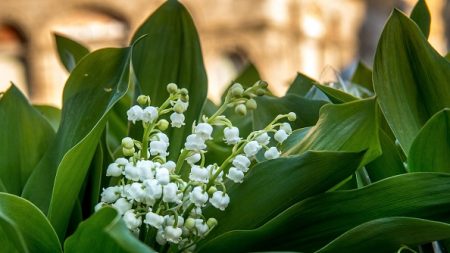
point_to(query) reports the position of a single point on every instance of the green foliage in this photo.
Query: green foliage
(70, 52)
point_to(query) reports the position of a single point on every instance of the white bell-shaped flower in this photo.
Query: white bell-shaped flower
(280, 136)
(131, 172)
(153, 191)
(136, 192)
(177, 120)
(146, 169)
(272, 153)
(135, 113)
(235, 175)
(199, 174)
(169, 220)
(198, 196)
(131, 220)
(286, 127)
(220, 200)
(121, 161)
(122, 205)
(263, 139)
(162, 175)
(160, 239)
(172, 234)
(195, 142)
(114, 170)
(110, 194)
(154, 220)
(150, 114)
(193, 159)
(169, 165)
(241, 163)
(170, 193)
(158, 148)
(231, 135)
(251, 148)
(201, 226)
(159, 136)
(212, 168)
(204, 130)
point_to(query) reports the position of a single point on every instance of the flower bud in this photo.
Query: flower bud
(184, 92)
(262, 84)
(236, 90)
(128, 151)
(260, 92)
(241, 109)
(251, 104)
(190, 223)
(184, 98)
(178, 108)
(172, 88)
(127, 142)
(292, 116)
(163, 124)
(212, 190)
(212, 222)
(143, 100)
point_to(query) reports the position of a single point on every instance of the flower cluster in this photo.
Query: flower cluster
(156, 202)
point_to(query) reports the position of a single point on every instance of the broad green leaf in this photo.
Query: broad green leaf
(336, 96)
(363, 76)
(447, 56)
(316, 94)
(388, 235)
(431, 148)
(104, 231)
(93, 87)
(24, 227)
(301, 85)
(422, 17)
(2, 186)
(410, 78)
(70, 52)
(51, 114)
(296, 137)
(389, 163)
(171, 53)
(272, 186)
(24, 138)
(307, 110)
(345, 127)
(316, 221)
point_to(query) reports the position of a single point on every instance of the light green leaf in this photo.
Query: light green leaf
(51, 114)
(307, 110)
(70, 52)
(388, 235)
(104, 231)
(272, 186)
(301, 85)
(389, 163)
(345, 127)
(24, 137)
(94, 86)
(295, 138)
(421, 15)
(363, 76)
(316, 221)
(431, 148)
(410, 78)
(171, 53)
(24, 228)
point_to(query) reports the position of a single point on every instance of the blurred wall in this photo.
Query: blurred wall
(317, 37)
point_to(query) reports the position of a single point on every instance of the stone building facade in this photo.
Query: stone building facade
(280, 37)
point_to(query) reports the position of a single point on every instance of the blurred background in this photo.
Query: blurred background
(320, 38)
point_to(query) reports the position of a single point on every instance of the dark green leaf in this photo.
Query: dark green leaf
(70, 52)
(410, 78)
(94, 86)
(104, 232)
(389, 163)
(24, 227)
(447, 56)
(273, 186)
(295, 138)
(301, 85)
(363, 76)
(307, 110)
(314, 222)
(171, 53)
(431, 148)
(336, 96)
(24, 137)
(387, 235)
(51, 114)
(346, 127)
(421, 15)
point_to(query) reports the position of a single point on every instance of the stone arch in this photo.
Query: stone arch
(13, 57)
